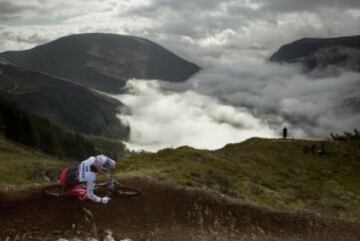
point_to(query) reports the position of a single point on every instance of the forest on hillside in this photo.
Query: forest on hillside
(39, 133)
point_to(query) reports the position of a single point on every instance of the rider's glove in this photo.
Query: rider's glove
(105, 200)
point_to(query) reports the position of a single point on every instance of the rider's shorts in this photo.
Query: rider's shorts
(63, 178)
(69, 178)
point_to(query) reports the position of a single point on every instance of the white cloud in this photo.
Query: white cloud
(160, 118)
(270, 91)
(306, 5)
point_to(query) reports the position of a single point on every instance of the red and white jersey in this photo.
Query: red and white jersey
(88, 176)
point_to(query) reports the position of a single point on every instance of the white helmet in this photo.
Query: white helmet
(104, 163)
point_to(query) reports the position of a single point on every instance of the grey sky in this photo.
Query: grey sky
(308, 5)
(263, 23)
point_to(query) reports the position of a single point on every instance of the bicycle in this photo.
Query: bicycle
(109, 188)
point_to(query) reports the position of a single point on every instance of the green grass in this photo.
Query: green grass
(20, 165)
(113, 148)
(284, 175)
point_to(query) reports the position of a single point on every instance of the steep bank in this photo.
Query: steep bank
(285, 175)
(162, 212)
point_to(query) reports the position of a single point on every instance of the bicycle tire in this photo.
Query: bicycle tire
(53, 191)
(120, 191)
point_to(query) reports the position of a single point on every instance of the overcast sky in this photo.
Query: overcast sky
(241, 24)
(231, 41)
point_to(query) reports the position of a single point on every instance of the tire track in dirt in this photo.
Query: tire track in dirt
(162, 212)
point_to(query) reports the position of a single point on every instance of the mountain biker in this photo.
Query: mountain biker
(85, 172)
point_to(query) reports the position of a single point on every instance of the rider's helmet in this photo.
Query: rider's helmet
(104, 163)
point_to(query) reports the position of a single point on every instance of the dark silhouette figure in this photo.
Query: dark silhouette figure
(284, 133)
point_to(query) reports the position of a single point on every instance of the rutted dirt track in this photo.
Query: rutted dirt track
(161, 212)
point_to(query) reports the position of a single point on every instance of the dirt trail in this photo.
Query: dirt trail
(162, 212)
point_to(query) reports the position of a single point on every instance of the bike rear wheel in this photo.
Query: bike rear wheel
(54, 191)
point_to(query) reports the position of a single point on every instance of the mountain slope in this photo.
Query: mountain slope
(104, 61)
(20, 165)
(286, 175)
(320, 53)
(23, 129)
(261, 171)
(38, 133)
(65, 103)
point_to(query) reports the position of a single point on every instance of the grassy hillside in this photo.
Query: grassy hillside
(67, 104)
(286, 175)
(39, 133)
(110, 147)
(20, 165)
(28, 129)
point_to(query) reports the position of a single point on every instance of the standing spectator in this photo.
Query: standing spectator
(284, 133)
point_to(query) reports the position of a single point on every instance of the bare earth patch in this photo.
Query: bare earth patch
(162, 212)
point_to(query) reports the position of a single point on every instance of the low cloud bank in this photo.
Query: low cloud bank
(231, 103)
(162, 118)
(313, 105)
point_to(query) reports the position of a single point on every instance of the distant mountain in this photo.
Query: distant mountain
(70, 105)
(314, 53)
(103, 61)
